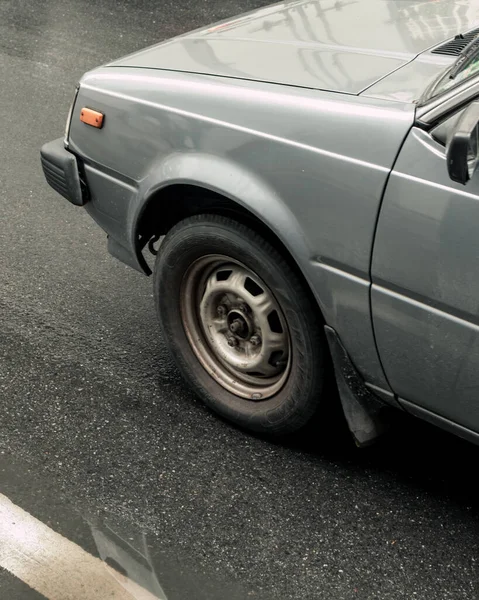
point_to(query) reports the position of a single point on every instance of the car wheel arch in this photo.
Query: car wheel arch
(201, 176)
(169, 204)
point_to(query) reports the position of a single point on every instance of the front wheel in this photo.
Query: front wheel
(240, 324)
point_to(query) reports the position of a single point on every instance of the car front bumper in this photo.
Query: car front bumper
(61, 171)
(103, 197)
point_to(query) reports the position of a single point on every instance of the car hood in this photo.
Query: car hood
(337, 45)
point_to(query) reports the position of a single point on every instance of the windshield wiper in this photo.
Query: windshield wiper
(467, 56)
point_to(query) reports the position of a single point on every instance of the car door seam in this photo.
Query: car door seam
(375, 230)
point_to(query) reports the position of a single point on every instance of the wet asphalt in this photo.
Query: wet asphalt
(95, 421)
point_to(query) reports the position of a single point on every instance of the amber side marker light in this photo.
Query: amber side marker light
(92, 117)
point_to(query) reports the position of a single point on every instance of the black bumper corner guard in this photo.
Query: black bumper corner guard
(61, 171)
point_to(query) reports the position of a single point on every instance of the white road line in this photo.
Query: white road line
(55, 566)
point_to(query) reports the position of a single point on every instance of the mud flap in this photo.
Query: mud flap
(366, 415)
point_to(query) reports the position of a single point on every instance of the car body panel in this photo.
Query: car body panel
(312, 166)
(425, 296)
(408, 83)
(345, 46)
(435, 419)
(310, 67)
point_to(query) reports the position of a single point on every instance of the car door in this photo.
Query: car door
(425, 274)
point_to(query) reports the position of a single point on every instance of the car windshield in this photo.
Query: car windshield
(452, 77)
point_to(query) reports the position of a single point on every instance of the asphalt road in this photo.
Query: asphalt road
(95, 419)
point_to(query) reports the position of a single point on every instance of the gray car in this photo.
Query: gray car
(311, 166)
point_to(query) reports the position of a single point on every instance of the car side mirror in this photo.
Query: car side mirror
(463, 146)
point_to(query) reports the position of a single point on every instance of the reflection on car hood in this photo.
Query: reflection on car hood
(337, 45)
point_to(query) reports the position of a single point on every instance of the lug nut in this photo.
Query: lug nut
(221, 310)
(232, 341)
(244, 307)
(255, 340)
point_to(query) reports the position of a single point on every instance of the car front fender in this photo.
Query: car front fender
(228, 179)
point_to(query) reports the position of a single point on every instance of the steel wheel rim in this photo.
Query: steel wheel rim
(235, 327)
